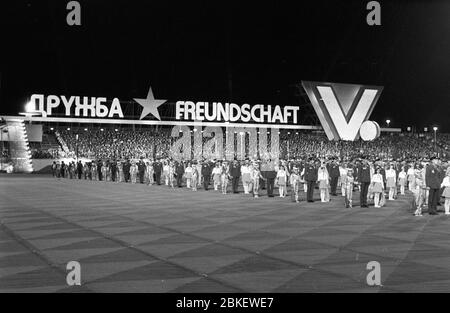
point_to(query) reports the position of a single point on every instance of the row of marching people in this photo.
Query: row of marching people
(375, 179)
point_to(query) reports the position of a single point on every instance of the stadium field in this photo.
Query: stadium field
(139, 238)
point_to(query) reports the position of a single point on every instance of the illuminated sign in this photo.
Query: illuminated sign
(75, 106)
(88, 107)
(231, 112)
(343, 111)
(343, 108)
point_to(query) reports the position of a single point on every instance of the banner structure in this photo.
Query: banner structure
(80, 109)
(343, 108)
(224, 130)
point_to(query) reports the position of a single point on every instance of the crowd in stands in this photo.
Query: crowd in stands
(107, 144)
(128, 144)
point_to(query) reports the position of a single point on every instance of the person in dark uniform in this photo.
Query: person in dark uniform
(141, 171)
(79, 169)
(179, 171)
(363, 178)
(99, 170)
(433, 179)
(333, 171)
(157, 167)
(270, 176)
(113, 167)
(126, 171)
(63, 169)
(310, 177)
(235, 173)
(206, 173)
(54, 169)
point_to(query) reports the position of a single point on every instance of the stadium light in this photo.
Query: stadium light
(435, 143)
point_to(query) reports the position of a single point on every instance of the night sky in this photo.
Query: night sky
(230, 51)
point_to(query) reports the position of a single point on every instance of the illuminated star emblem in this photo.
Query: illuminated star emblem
(150, 105)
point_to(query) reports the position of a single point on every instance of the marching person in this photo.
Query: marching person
(206, 173)
(363, 177)
(113, 167)
(433, 180)
(402, 180)
(418, 187)
(72, 170)
(157, 168)
(119, 178)
(295, 181)
(378, 186)
(149, 171)
(235, 173)
(94, 171)
(58, 171)
(79, 169)
(141, 170)
(166, 172)
(54, 169)
(311, 179)
(446, 193)
(410, 174)
(246, 177)
(99, 170)
(348, 185)
(281, 179)
(188, 174)
(256, 178)
(66, 169)
(195, 177)
(270, 176)
(343, 175)
(216, 173)
(334, 173)
(391, 181)
(323, 179)
(172, 174)
(225, 174)
(179, 170)
(104, 170)
(133, 172)
(199, 167)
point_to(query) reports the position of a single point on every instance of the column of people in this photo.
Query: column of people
(375, 179)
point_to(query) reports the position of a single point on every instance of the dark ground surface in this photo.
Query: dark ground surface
(136, 238)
